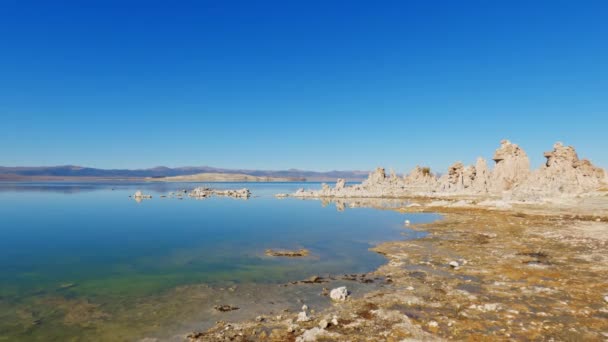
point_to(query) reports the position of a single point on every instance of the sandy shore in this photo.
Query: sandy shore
(530, 272)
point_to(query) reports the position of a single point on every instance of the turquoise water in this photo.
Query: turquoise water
(90, 243)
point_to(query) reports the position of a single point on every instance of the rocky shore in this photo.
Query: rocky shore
(529, 272)
(518, 255)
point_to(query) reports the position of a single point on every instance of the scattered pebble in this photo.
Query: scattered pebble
(454, 264)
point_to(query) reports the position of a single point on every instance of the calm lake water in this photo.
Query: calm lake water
(74, 258)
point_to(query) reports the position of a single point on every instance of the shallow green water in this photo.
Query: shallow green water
(75, 257)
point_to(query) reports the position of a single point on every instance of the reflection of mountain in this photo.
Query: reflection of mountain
(21, 173)
(59, 188)
(224, 177)
(72, 188)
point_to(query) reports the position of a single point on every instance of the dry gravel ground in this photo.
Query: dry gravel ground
(529, 273)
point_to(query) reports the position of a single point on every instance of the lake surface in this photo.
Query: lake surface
(78, 258)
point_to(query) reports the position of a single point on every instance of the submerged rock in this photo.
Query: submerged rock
(225, 308)
(287, 253)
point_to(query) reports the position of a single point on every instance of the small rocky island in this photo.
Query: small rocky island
(198, 193)
(203, 192)
(287, 253)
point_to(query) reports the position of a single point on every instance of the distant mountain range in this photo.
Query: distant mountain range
(71, 172)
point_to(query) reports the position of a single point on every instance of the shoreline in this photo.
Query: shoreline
(527, 272)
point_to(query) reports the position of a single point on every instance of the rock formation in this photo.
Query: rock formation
(481, 182)
(420, 179)
(563, 174)
(458, 179)
(202, 192)
(340, 184)
(512, 167)
(339, 294)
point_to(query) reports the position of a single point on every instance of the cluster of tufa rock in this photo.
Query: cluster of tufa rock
(139, 196)
(564, 174)
(203, 192)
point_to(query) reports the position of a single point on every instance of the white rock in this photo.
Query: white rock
(488, 307)
(303, 317)
(454, 264)
(334, 321)
(139, 196)
(606, 299)
(340, 184)
(339, 294)
(407, 222)
(433, 324)
(313, 335)
(323, 324)
(304, 307)
(203, 192)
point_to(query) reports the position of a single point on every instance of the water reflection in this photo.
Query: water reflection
(120, 259)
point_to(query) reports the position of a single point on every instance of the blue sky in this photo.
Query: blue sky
(315, 85)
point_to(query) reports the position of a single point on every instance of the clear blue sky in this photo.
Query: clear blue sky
(305, 84)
